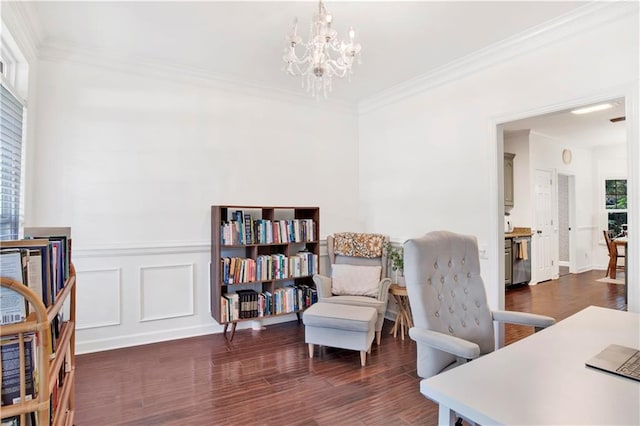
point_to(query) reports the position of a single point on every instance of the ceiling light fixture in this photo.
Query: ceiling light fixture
(324, 56)
(592, 108)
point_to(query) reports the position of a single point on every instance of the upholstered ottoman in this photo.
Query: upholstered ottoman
(340, 326)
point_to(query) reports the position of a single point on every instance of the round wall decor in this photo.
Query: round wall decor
(566, 156)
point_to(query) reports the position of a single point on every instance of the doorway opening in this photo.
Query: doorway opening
(570, 153)
(566, 215)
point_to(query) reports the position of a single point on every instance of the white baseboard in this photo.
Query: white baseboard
(99, 345)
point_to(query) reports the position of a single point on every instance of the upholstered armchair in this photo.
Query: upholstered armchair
(358, 273)
(452, 320)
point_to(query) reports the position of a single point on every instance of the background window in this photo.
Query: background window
(11, 116)
(616, 204)
(14, 77)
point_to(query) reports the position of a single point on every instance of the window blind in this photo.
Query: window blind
(11, 115)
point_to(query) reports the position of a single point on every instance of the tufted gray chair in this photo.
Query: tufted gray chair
(323, 285)
(452, 320)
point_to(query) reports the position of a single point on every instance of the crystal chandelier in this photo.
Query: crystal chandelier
(324, 56)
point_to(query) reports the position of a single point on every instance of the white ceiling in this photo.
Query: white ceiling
(586, 130)
(243, 41)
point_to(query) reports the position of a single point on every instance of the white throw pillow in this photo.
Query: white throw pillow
(355, 280)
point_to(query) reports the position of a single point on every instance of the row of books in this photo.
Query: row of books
(246, 304)
(243, 229)
(268, 267)
(41, 261)
(10, 354)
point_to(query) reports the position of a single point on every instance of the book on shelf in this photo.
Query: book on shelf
(10, 355)
(62, 238)
(239, 217)
(12, 304)
(224, 309)
(261, 304)
(234, 306)
(11, 421)
(236, 270)
(306, 295)
(248, 303)
(56, 330)
(35, 279)
(30, 420)
(248, 300)
(268, 303)
(285, 300)
(248, 229)
(40, 252)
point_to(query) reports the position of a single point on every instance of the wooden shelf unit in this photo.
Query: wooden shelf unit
(49, 364)
(222, 214)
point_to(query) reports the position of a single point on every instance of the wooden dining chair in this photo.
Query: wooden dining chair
(612, 249)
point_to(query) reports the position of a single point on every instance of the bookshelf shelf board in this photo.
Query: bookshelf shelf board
(267, 281)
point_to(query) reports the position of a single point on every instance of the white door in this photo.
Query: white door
(544, 232)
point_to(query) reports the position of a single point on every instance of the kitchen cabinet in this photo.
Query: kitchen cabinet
(508, 180)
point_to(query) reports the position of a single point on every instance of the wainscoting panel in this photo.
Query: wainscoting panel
(166, 291)
(98, 298)
(135, 295)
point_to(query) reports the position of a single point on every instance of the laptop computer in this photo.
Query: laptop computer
(619, 360)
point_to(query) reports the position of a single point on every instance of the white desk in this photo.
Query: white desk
(542, 379)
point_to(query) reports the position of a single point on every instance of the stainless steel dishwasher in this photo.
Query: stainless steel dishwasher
(521, 255)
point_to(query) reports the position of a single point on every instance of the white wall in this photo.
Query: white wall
(428, 161)
(133, 163)
(137, 155)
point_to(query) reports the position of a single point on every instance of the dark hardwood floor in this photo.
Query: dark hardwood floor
(266, 377)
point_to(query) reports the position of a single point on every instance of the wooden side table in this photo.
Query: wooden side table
(403, 317)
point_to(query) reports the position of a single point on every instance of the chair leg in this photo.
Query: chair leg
(378, 337)
(611, 270)
(363, 358)
(310, 350)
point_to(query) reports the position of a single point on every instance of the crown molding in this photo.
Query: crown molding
(590, 16)
(24, 25)
(65, 52)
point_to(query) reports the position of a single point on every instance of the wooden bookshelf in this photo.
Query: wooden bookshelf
(55, 366)
(253, 243)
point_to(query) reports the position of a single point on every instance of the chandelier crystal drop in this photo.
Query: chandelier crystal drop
(324, 55)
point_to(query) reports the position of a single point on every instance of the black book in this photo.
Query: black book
(10, 350)
(248, 229)
(248, 303)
